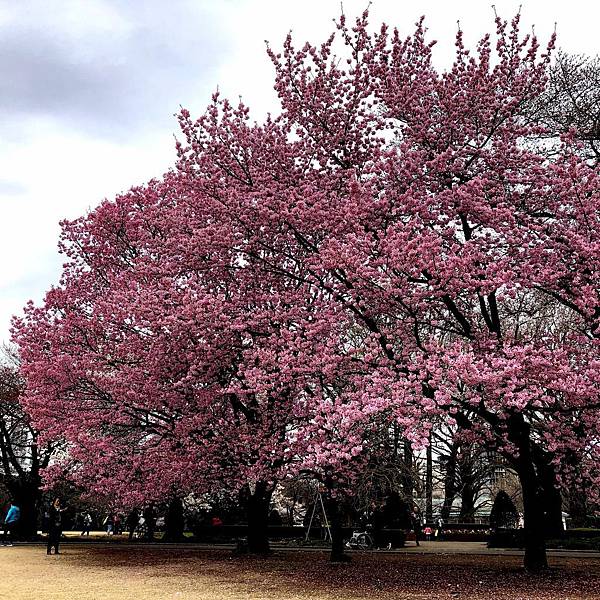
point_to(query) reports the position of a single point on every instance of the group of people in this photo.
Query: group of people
(138, 523)
(142, 523)
(55, 525)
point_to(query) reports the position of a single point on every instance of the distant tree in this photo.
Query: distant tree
(21, 457)
(571, 101)
(504, 514)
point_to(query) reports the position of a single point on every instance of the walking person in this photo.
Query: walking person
(54, 526)
(87, 523)
(150, 519)
(132, 521)
(108, 524)
(10, 522)
(117, 528)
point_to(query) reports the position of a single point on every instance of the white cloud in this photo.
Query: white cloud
(63, 148)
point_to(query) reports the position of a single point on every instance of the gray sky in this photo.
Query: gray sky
(88, 90)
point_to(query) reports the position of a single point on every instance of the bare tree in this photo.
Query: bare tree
(572, 101)
(21, 458)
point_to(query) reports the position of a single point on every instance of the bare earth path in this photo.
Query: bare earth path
(118, 573)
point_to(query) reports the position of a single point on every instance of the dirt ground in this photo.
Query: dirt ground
(104, 573)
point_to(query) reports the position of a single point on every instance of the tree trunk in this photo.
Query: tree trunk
(174, 522)
(467, 506)
(335, 517)
(429, 484)
(447, 507)
(533, 515)
(535, 545)
(27, 497)
(257, 508)
(578, 509)
(408, 479)
(449, 483)
(552, 500)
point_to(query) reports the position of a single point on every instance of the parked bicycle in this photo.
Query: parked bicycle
(360, 540)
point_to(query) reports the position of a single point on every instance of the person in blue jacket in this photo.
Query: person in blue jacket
(12, 518)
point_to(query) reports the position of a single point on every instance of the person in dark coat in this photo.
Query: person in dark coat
(417, 524)
(132, 522)
(377, 523)
(55, 526)
(150, 518)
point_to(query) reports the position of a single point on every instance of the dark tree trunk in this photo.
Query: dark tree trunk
(429, 484)
(552, 500)
(467, 506)
(449, 483)
(535, 545)
(408, 484)
(27, 497)
(174, 522)
(335, 517)
(447, 506)
(533, 515)
(258, 517)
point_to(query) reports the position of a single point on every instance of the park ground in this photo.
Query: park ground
(113, 572)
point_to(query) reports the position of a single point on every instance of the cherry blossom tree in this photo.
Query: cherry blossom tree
(394, 248)
(422, 206)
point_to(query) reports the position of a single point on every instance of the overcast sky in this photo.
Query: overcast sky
(88, 90)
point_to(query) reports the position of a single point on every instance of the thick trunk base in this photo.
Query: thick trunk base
(27, 500)
(335, 517)
(535, 558)
(533, 499)
(257, 508)
(339, 558)
(175, 521)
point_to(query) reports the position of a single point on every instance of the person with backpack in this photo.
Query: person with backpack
(10, 522)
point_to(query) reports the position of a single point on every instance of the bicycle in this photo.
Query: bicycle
(360, 540)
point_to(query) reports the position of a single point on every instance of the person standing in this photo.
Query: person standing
(10, 522)
(54, 526)
(416, 523)
(439, 529)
